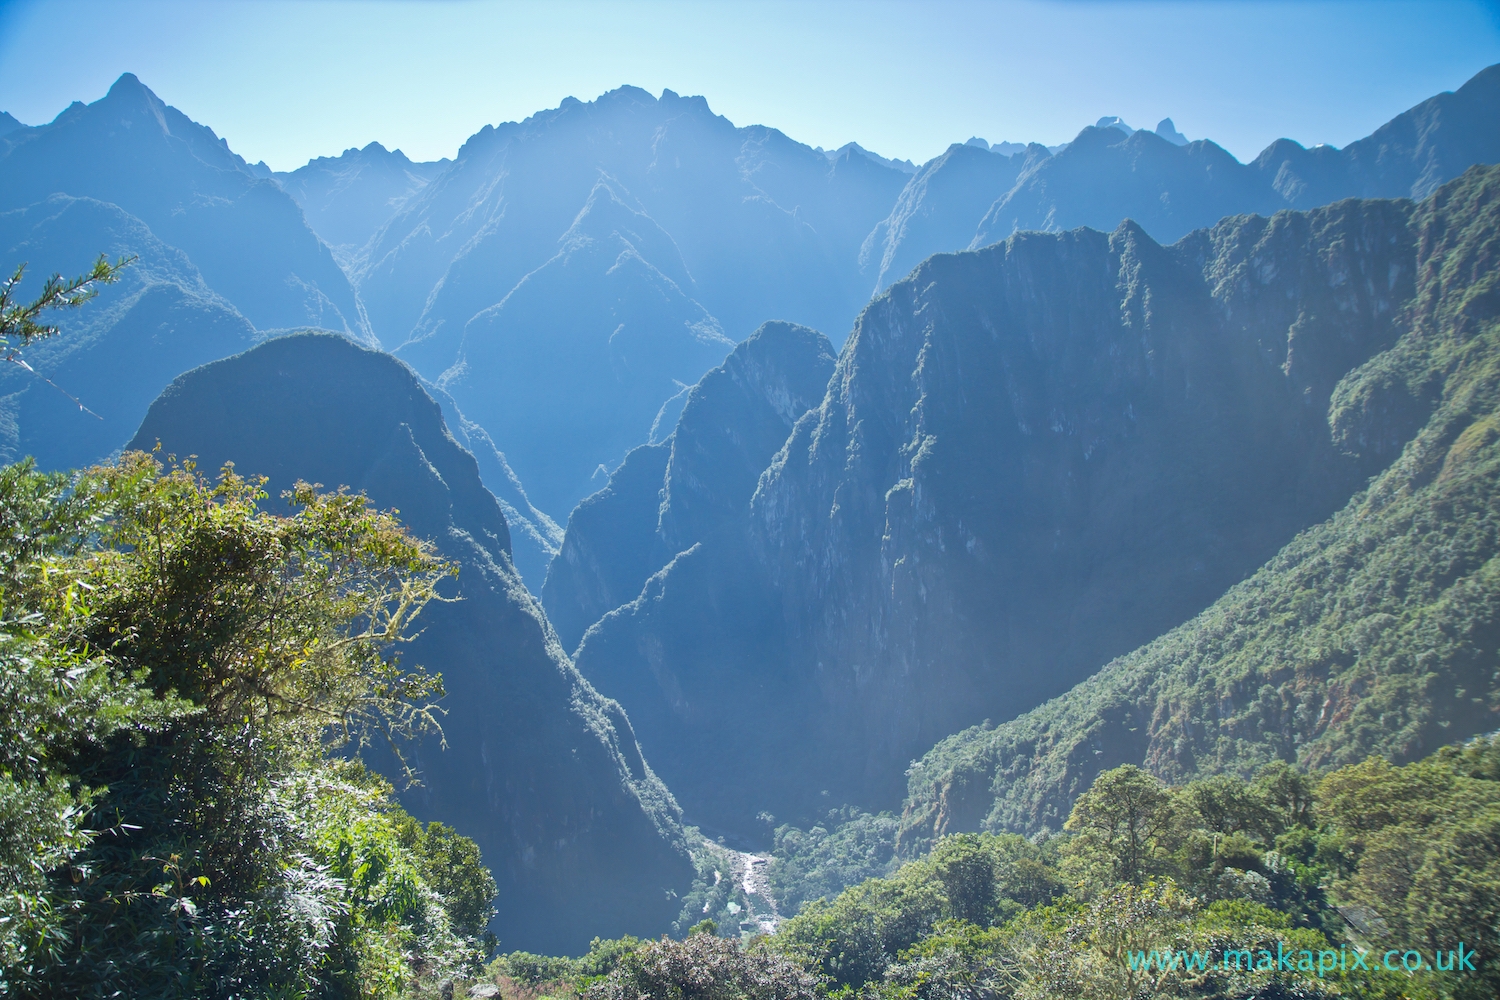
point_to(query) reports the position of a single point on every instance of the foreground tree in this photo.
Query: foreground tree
(705, 967)
(171, 820)
(1121, 822)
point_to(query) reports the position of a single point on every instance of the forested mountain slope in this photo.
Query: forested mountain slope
(244, 234)
(1375, 632)
(541, 770)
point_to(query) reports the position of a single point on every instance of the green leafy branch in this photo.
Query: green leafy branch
(18, 322)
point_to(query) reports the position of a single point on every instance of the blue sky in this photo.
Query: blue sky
(288, 81)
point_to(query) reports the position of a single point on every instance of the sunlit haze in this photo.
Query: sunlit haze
(285, 82)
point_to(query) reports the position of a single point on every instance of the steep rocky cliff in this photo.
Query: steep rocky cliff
(1375, 632)
(541, 770)
(1030, 458)
(665, 498)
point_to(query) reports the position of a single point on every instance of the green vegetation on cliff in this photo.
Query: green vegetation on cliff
(1375, 632)
(1374, 881)
(1371, 858)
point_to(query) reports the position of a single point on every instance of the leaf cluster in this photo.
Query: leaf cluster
(182, 663)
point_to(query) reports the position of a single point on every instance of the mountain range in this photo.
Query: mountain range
(1116, 403)
(1029, 459)
(721, 228)
(1374, 632)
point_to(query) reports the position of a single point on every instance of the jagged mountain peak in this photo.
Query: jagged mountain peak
(242, 231)
(1168, 131)
(855, 149)
(628, 94)
(129, 113)
(129, 86)
(9, 123)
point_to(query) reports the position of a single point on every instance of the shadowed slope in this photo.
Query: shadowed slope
(667, 497)
(115, 356)
(540, 770)
(1030, 458)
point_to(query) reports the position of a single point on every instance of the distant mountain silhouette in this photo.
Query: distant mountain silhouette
(905, 166)
(347, 198)
(245, 235)
(1168, 131)
(766, 227)
(542, 771)
(1170, 187)
(117, 354)
(1105, 175)
(938, 206)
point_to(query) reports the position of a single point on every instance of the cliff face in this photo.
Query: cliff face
(542, 771)
(734, 420)
(1029, 459)
(1374, 632)
(667, 497)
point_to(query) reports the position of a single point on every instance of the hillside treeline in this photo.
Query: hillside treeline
(1373, 881)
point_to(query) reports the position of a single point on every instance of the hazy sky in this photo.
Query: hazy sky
(286, 81)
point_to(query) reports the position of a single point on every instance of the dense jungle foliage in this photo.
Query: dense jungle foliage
(181, 674)
(1282, 886)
